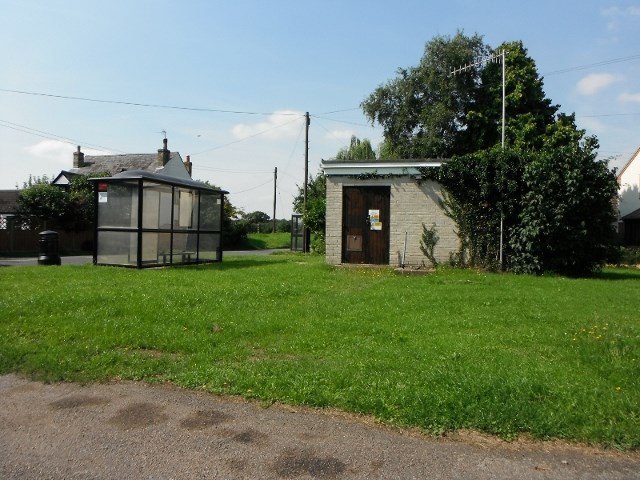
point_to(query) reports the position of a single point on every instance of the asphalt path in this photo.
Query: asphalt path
(134, 430)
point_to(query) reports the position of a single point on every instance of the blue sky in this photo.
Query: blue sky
(273, 61)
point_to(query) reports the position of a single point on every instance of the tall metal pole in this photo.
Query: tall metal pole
(493, 58)
(504, 68)
(275, 180)
(305, 242)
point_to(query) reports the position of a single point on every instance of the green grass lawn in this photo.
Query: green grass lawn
(269, 240)
(498, 353)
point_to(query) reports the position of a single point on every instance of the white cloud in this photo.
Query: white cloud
(614, 14)
(55, 153)
(339, 135)
(47, 157)
(280, 124)
(58, 153)
(593, 83)
(629, 97)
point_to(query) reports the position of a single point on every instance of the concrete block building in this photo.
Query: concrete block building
(376, 210)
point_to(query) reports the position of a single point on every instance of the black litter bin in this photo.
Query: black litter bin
(48, 248)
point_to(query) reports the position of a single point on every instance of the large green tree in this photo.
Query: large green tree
(545, 194)
(429, 112)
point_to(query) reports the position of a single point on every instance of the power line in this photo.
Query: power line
(608, 115)
(148, 105)
(339, 121)
(591, 65)
(340, 111)
(245, 172)
(295, 146)
(244, 138)
(53, 136)
(252, 188)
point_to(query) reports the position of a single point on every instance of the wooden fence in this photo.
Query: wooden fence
(16, 241)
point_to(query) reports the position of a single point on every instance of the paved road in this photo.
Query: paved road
(133, 430)
(83, 259)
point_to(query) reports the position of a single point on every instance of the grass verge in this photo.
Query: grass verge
(261, 241)
(502, 354)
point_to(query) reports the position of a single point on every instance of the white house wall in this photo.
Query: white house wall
(629, 181)
(411, 205)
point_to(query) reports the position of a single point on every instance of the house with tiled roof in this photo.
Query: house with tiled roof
(165, 162)
(629, 201)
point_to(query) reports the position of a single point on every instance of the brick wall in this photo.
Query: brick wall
(411, 205)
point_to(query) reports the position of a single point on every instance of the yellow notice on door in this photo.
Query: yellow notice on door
(374, 220)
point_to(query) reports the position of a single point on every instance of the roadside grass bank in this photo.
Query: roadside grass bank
(503, 354)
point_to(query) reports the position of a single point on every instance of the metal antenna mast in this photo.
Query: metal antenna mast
(493, 58)
(305, 238)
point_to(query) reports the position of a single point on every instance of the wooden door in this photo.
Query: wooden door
(365, 230)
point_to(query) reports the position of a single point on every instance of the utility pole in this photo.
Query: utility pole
(275, 180)
(493, 58)
(307, 122)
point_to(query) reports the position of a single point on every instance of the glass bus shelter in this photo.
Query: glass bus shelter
(148, 220)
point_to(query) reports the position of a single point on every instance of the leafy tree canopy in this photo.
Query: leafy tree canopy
(41, 204)
(428, 112)
(552, 198)
(314, 217)
(555, 207)
(566, 220)
(256, 217)
(357, 150)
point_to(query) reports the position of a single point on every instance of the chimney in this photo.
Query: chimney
(188, 165)
(78, 159)
(163, 154)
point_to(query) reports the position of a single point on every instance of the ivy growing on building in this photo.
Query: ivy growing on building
(553, 208)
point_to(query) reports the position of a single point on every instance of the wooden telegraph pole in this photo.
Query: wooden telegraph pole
(275, 179)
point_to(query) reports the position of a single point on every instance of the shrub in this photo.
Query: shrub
(428, 243)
